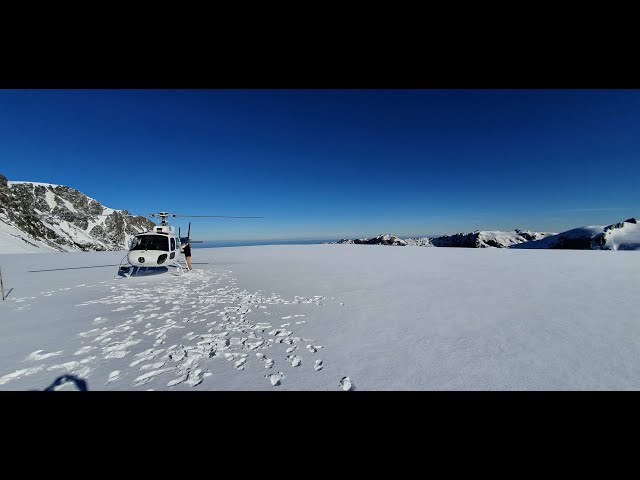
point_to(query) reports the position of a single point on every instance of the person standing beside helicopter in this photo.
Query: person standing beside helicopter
(186, 249)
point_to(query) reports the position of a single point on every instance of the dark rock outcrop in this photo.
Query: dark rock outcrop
(386, 239)
(461, 240)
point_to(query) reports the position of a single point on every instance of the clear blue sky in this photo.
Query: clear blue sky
(329, 164)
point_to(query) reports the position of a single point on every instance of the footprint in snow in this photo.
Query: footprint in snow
(195, 378)
(275, 378)
(18, 373)
(84, 350)
(295, 360)
(253, 346)
(240, 364)
(147, 377)
(150, 366)
(178, 380)
(291, 349)
(346, 384)
(268, 363)
(64, 366)
(230, 356)
(318, 365)
(113, 376)
(41, 356)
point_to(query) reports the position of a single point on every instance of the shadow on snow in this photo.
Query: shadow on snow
(70, 268)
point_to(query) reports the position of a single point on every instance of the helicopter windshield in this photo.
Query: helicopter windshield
(151, 242)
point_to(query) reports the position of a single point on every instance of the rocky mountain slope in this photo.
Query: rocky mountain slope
(44, 217)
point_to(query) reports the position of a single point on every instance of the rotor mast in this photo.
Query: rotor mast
(162, 216)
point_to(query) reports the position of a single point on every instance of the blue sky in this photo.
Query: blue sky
(327, 164)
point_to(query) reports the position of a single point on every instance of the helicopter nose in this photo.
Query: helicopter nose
(136, 258)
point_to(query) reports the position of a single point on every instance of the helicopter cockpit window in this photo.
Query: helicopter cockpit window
(173, 244)
(151, 242)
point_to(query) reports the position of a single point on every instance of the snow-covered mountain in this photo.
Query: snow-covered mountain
(488, 238)
(88, 224)
(419, 242)
(384, 239)
(477, 239)
(618, 236)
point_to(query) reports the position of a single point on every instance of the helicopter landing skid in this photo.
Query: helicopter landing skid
(126, 270)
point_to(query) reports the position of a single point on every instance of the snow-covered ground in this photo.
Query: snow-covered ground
(305, 317)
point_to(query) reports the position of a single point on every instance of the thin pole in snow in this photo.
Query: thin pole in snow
(1, 285)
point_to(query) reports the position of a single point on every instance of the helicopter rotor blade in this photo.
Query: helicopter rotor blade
(211, 216)
(153, 215)
(74, 215)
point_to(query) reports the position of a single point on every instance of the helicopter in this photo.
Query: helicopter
(157, 248)
(160, 247)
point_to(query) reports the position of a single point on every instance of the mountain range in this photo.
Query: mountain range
(618, 236)
(43, 217)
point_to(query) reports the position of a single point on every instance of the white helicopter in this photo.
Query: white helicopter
(160, 247)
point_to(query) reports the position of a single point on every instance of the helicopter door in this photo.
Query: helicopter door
(173, 248)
